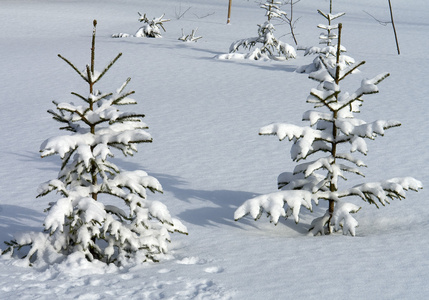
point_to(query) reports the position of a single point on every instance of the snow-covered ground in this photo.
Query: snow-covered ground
(204, 115)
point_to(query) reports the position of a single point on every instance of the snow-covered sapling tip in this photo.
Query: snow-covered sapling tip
(133, 227)
(190, 37)
(334, 134)
(270, 47)
(327, 38)
(151, 28)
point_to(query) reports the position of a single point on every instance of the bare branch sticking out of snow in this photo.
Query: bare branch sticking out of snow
(190, 37)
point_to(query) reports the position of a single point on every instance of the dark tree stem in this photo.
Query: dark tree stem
(394, 29)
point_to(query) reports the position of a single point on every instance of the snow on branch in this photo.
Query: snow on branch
(383, 191)
(330, 17)
(190, 37)
(305, 137)
(136, 182)
(273, 205)
(368, 86)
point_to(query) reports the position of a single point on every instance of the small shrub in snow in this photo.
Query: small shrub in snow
(80, 222)
(190, 37)
(332, 131)
(270, 47)
(327, 38)
(151, 28)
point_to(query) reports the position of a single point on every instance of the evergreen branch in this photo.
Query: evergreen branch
(57, 117)
(328, 69)
(108, 67)
(361, 91)
(381, 78)
(67, 158)
(324, 101)
(73, 67)
(89, 75)
(124, 85)
(351, 70)
(114, 211)
(81, 115)
(101, 97)
(116, 101)
(129, 117)
(68, 128)
(81, 97)
(323, 14)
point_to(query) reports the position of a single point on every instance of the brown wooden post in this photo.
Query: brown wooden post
(229, 12)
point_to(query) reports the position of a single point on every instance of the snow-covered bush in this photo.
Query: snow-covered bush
(333, 136)
(132, 227)
(151, 28)
(190, 37)
(265, 45)
(328, 51)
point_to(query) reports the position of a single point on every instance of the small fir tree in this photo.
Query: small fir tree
(80, 222)
(271, 47)
(329, 133)
(151, 28)
(328, 38)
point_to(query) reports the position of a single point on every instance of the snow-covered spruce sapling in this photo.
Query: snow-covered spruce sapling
(327, 38)
(333, 136)
(151, 28)
(131, 228)
(265, 45)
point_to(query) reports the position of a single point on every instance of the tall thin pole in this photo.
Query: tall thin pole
(229, 12)
(394, 29)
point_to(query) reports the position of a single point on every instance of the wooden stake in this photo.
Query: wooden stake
(394, 29)
(229, 12)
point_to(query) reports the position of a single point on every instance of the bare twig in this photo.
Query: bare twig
(205, 16)
(179, 14)
(290, 21)
(384, 23)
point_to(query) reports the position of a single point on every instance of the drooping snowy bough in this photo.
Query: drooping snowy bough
(265, 45)
(321, 145)
(134, 227)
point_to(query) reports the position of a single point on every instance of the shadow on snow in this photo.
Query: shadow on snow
(15, 219)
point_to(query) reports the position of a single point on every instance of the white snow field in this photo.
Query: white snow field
(204, 115)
